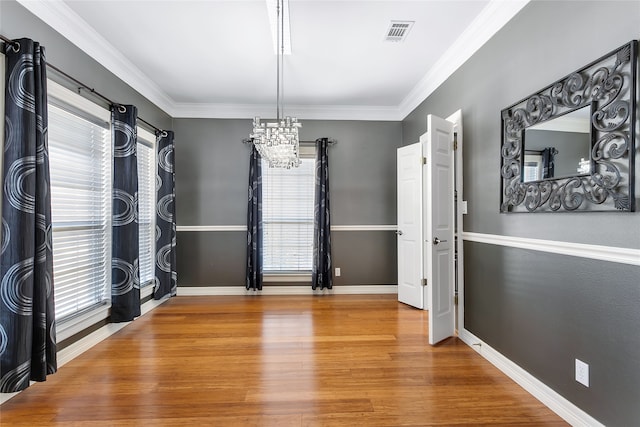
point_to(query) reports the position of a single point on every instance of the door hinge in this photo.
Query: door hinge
(424, 160)
(455, 300)
(424, 282)
(455, 141)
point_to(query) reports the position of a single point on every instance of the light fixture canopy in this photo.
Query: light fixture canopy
(278, 142)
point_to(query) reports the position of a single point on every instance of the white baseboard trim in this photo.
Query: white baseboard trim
(286, 290)
(554, 401)
(77, 348)
(598, 252)
(5, 397)
(78, 324)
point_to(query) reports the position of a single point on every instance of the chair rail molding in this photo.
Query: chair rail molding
(598, 252)
(372, 227)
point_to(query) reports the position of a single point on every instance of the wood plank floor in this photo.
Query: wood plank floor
(340, 360)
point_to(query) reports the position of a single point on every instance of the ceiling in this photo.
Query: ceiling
(216, 58)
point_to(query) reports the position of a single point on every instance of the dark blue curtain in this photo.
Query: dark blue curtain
(254, 223)
(548, 162)
(321, 275)
(166, 276)
(125, 280)
(27, 309)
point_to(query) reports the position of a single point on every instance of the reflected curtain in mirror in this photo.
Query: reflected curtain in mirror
(548, 166)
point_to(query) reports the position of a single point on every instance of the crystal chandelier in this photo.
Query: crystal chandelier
(277, 142)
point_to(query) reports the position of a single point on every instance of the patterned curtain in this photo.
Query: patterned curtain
(166, 276)
(548, 162)
(27, 309)
(321, 274)
(254, 223)
(125, 280)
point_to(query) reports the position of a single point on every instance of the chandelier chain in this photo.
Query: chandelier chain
(278, 142)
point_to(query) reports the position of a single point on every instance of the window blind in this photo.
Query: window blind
(287, 216)
(80, 167)
(146, 205)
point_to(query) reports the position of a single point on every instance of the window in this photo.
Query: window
(146, 205)
(287, 215)
(80, 167)
(532, 168)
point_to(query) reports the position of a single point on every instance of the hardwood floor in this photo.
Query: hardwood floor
(340, 360)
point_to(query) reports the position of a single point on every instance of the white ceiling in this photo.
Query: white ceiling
(216, 58)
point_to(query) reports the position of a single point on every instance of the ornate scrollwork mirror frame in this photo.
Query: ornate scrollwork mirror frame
(608, 85)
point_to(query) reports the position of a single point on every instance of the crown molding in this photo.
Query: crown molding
(492, 18)
(70, 25)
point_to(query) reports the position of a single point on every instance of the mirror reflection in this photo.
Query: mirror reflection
(558, 148)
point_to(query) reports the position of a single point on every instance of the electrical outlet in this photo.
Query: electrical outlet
(337, 271)
(582, 372)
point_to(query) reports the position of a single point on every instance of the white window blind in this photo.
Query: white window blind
(80, 167)
(287, 216)
(146, 205)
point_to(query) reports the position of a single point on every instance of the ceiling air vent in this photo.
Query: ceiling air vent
(398, 31)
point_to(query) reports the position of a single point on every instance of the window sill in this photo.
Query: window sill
(286, 277)
(78, 323)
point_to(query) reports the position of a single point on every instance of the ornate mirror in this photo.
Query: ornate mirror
(571, 146)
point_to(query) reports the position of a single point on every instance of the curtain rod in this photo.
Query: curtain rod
(78, 82)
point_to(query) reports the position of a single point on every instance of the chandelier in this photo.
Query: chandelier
(278, 142)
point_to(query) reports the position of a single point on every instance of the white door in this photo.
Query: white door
(410, 254)
(439, 227)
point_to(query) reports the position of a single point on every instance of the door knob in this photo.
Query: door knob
(436, 241)
(399, 232)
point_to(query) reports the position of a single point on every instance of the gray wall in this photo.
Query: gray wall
(212, 169)
(542, 310)
(17, 22)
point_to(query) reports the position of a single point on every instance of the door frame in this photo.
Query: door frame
(456, 119)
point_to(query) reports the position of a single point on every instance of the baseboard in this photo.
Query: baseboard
(554, 401)
(77, 348)
(287, 290)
